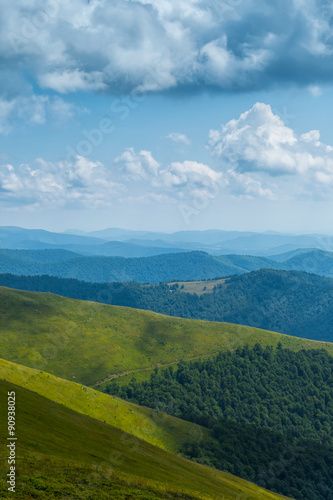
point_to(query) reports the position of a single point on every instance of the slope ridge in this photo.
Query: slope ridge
(88, 342)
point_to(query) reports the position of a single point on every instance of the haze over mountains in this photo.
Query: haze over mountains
(125, 243)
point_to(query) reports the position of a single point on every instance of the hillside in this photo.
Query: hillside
(289, 302)
(86, 342)
(91, 341)
(72, 437)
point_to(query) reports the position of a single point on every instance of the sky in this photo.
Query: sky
(166, 114)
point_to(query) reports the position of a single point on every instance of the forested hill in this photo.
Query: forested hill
(290, 302)
(167, 267)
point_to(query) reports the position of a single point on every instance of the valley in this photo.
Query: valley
(130, 368)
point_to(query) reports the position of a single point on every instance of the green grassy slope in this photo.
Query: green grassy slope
(89, 342)
(289, 302)
(155, 427)
(51, 429)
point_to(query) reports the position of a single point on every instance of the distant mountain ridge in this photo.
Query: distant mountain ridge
(126, 243)
(34, 239)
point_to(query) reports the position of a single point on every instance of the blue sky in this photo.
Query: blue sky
(166, 115)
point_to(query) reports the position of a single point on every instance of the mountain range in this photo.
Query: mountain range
(255, 406)
(125, 243)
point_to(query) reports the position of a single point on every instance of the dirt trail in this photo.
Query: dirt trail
(165, 365)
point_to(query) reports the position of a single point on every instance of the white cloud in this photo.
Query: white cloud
(179, 138)
(6, 109)
(178, 180)
(260, 144)
(188, 173)
(189, 179)
(312, 136)
(72, 81)
(137, 166)
(82, 183)
(243, 185)
(34, 109)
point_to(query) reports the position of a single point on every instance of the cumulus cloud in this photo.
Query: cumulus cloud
(258, 140)
(83, 183)
(188, 174)
(179, 138)
(155, 45)
(259, 143)
(189, 180)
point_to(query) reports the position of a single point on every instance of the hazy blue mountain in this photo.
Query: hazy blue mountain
(214, 242)
(217, 242)
(33, 239)
(268, 244)
(282, 257)
(315, 261)
(123, 249)
(16, 237)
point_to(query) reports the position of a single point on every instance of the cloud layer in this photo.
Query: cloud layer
(254, 156)
(156, 45)
(35, 109)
